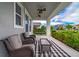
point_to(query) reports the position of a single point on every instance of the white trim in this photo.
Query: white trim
(26, 12)
(58, 8)
(18, 26)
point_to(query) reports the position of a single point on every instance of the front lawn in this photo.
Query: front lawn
(69, 37)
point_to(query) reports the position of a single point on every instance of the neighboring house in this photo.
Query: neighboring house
(76, 27)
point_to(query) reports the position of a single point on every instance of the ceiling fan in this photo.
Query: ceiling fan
(40, 11)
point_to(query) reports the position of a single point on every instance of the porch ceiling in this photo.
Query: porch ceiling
(33, 6)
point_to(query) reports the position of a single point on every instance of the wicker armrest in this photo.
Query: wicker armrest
(32, 36)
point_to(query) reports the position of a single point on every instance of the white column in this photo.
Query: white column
(48, 27)
(31, 27)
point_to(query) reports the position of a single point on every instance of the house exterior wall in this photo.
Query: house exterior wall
(7, 24)
(7, 20)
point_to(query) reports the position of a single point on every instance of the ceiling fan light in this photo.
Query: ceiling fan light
(39, 15)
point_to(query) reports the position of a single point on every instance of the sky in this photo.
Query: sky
(69, 15)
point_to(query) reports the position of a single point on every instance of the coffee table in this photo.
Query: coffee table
(45, 45)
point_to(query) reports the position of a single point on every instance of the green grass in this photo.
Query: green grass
(69, 37)
(39, 31)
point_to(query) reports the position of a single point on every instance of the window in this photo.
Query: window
(18, 15)
(18, 9)
(27, 22)
(26, 27)
(18, 20)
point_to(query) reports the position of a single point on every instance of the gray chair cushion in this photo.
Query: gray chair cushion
(15, 41)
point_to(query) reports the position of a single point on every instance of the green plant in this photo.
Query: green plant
(40, 31)
(69, 37)
(69, 26)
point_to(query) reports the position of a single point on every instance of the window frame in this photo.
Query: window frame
(15, 13)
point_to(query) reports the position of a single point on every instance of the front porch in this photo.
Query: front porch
(16, 19)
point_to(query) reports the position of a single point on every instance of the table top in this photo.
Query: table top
(44, 41)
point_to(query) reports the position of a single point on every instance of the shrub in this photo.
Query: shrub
(40, 31)
(71, 38)
(69, 26)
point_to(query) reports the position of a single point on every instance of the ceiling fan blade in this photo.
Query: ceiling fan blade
(44, 9)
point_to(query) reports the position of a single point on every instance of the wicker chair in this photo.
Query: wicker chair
(16, 49)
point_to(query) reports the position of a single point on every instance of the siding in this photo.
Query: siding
(7, 20)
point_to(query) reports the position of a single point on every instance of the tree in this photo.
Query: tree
(52, 28)
(69, 26)
(60, 27)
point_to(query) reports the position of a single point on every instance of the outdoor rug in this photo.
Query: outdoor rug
(56, 51)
